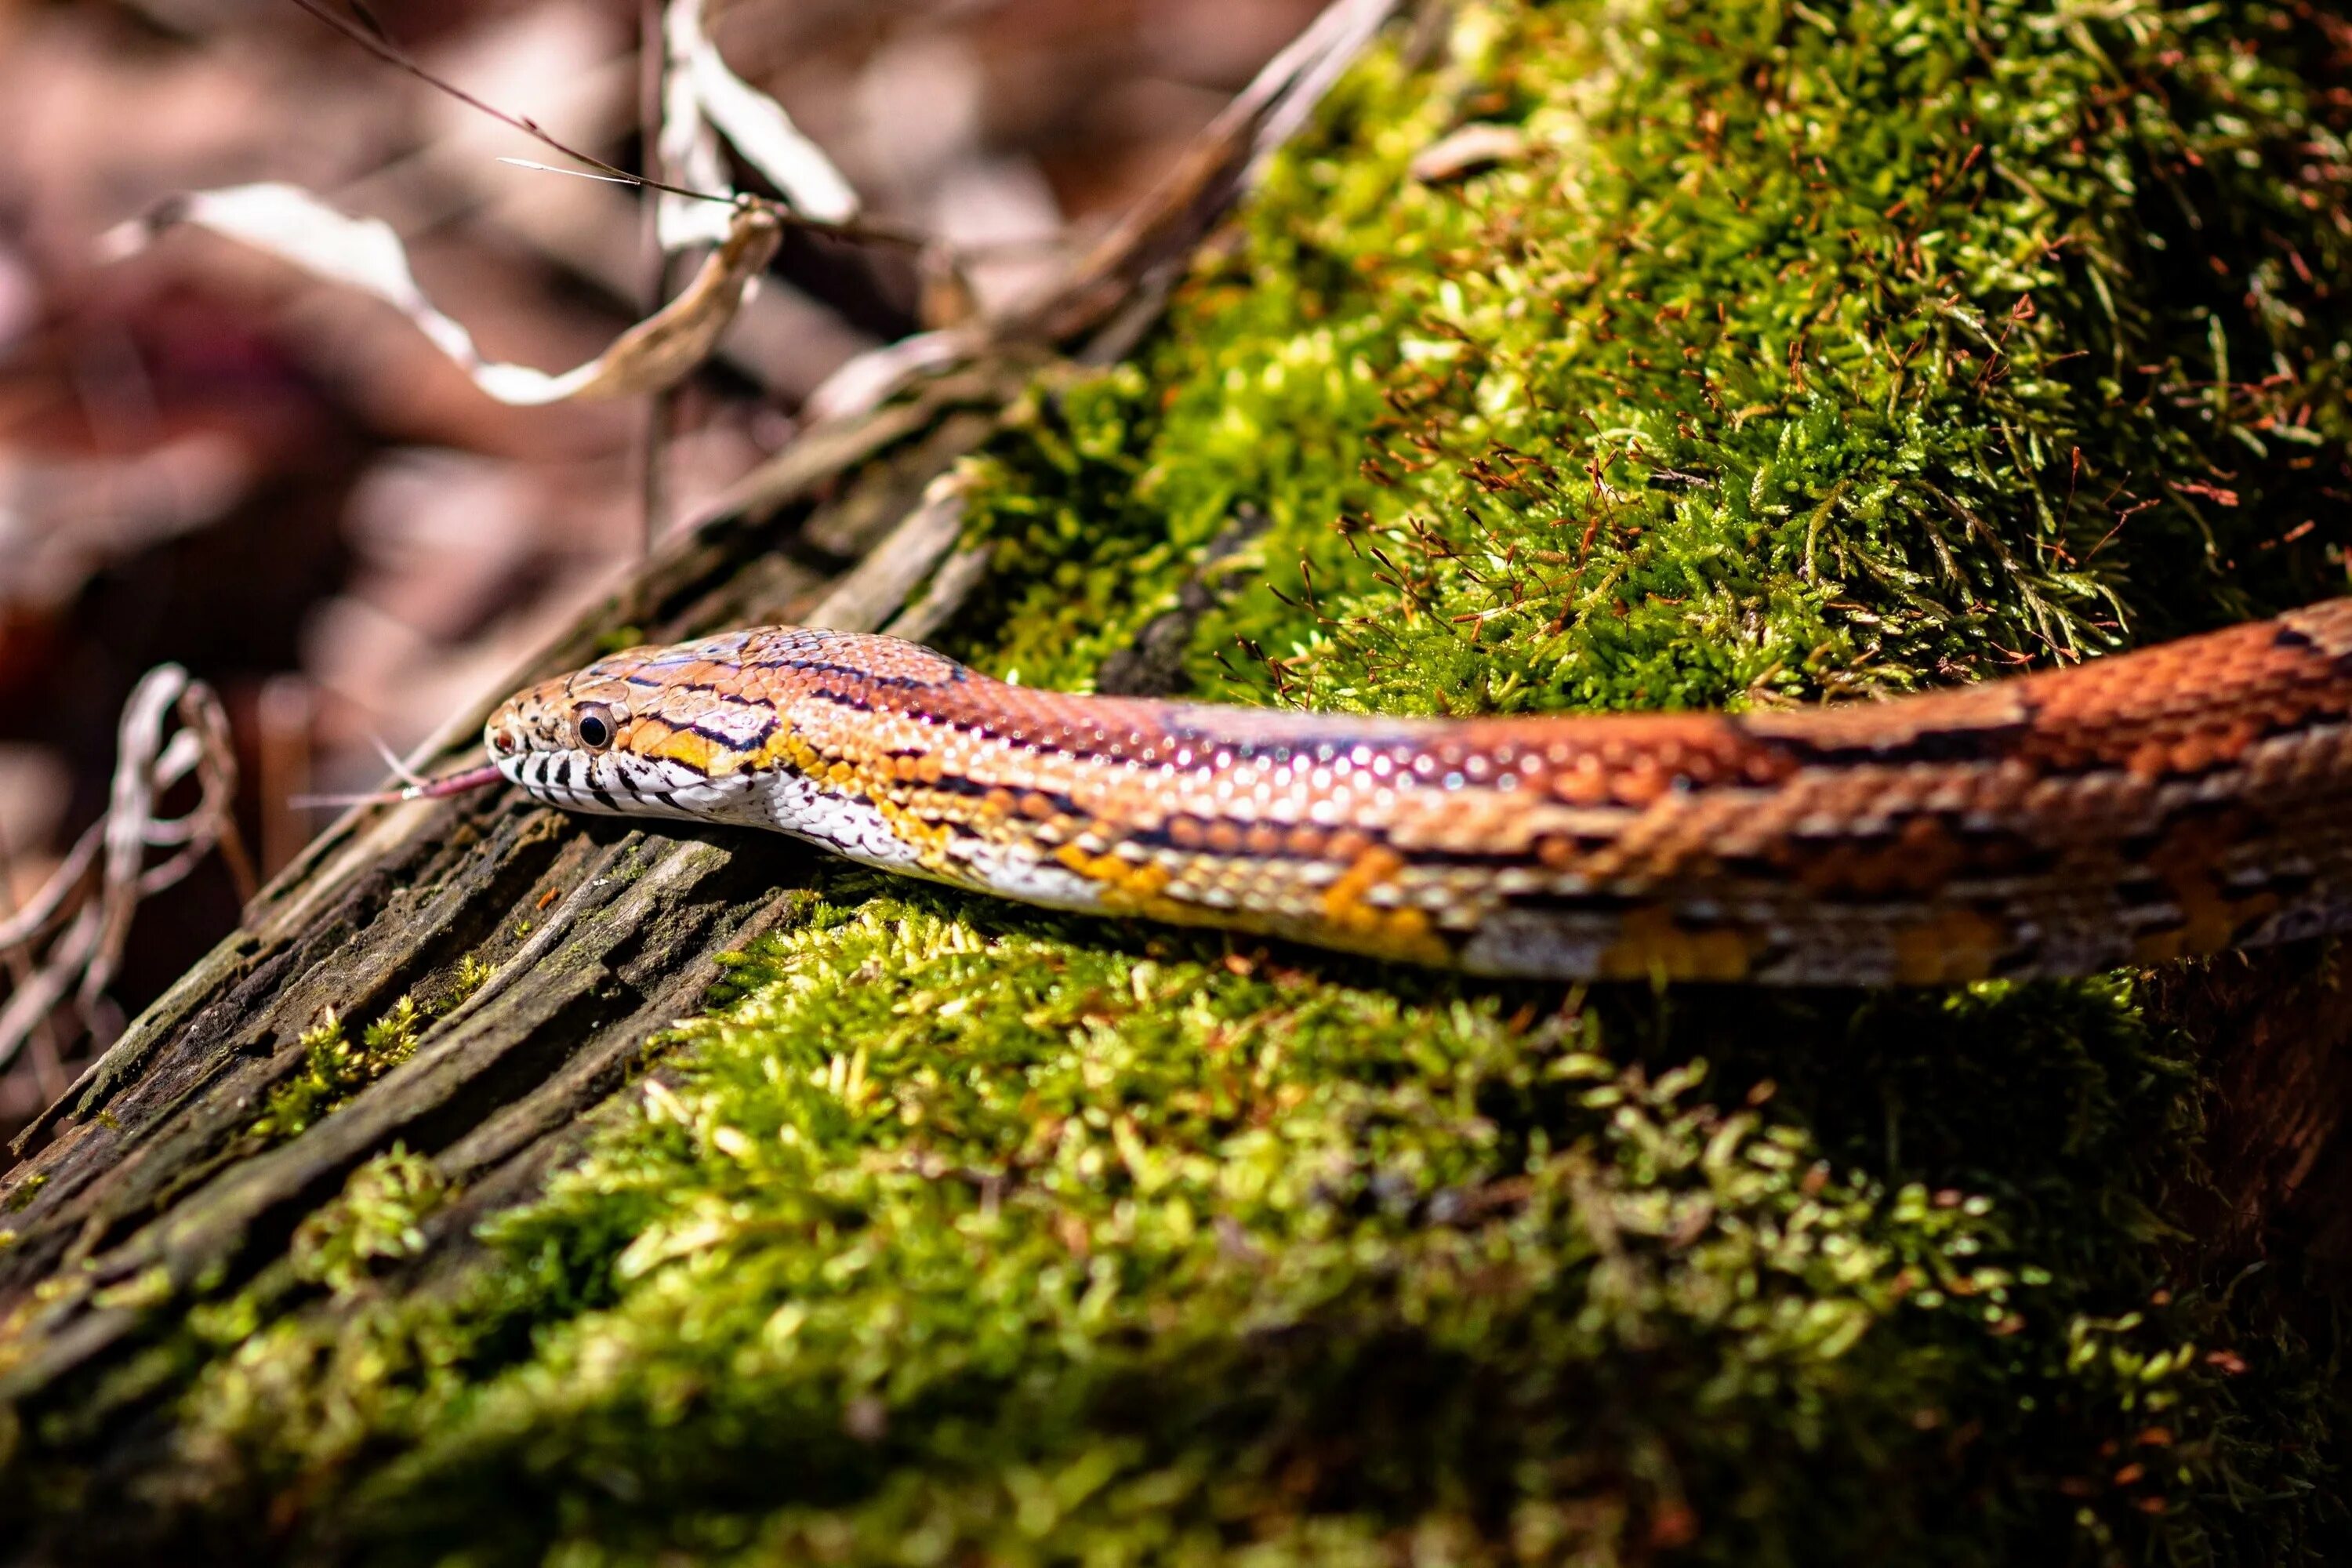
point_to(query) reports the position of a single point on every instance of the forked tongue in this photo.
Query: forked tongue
(423, 789)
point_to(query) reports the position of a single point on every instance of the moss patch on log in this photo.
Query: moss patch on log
(993, 1234)
(1789, 350)
(1796, 351)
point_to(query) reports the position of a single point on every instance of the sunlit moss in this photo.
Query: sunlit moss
(1026, 1237)
(376, 1220)
(1798, 351)
(335, 1068)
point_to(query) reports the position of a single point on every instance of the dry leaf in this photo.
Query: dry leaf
(757, 126)
(689, 147)
(699, 94)
(365, 254)
(665, 348)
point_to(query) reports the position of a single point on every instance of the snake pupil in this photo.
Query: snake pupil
(596, 729)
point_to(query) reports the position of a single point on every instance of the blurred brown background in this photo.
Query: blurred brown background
(205, 457)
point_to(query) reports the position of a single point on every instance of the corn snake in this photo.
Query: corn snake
(2131, 809)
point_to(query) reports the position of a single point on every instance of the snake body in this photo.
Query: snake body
(2131, 809)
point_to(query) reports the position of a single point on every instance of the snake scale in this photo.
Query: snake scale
(2130, 809)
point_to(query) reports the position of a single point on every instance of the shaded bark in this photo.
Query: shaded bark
(2277, 1027)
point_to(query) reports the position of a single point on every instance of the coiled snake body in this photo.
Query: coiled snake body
(2129, 810)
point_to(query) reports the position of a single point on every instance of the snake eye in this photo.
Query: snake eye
(593, 725)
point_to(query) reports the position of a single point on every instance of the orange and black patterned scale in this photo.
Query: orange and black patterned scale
(2129, 810)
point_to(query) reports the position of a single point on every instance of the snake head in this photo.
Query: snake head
(562, 741)
(648, 732)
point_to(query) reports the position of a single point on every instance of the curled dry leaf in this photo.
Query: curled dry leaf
(664, 349)
(83, 911)
(757, 126)
(365, 254)
(699, 95)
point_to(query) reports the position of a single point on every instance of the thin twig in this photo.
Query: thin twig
(20, 960)
(661, 406)
(393, 55)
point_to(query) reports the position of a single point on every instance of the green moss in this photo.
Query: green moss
(473, 971)
(1804, 350)
(1893, 346)
(619, 638)
(974, 1231)
(377, 1220)
(334, 1069)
